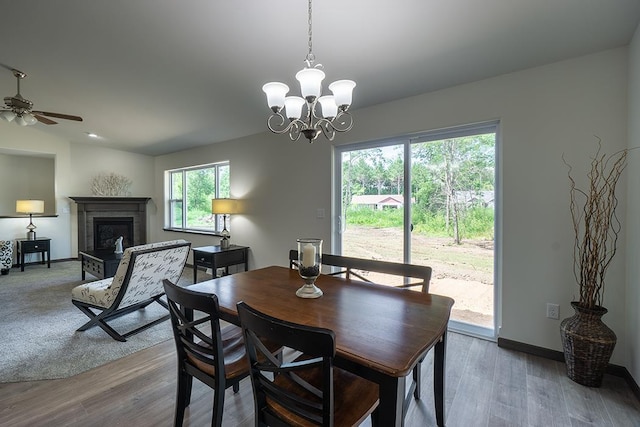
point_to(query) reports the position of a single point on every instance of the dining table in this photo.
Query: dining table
(381, 332)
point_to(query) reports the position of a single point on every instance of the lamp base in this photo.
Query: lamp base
(31, 235)
(224, 243)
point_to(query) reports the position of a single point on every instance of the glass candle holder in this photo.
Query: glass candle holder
(309, 266)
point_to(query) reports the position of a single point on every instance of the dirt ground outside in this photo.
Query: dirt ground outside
(463, 272)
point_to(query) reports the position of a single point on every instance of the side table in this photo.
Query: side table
(215, 257)
(101, 264)
(40, 245)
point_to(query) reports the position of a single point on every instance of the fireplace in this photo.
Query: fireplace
(110, 214)
(107, 230)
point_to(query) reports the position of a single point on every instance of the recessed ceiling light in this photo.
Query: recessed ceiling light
(92, 135)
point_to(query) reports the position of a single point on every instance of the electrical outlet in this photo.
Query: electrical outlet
(553, 311)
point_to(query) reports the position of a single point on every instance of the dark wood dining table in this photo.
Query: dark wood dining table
(381, 332)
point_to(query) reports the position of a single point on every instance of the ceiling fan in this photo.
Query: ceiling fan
(21, 111)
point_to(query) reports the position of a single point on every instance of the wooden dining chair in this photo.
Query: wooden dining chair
(411, 275)
(214, 355)
(304, 389)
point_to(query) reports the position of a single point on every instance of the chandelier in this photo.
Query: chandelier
(303, 115)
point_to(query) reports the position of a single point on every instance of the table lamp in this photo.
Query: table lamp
(224, 207)
(30, 207)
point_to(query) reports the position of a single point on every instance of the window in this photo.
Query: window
(190, 193)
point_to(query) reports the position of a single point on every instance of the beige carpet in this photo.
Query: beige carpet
(39, 322)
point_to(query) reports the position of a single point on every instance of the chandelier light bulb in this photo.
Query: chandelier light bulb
(329, 107)
(310, 83)
(293, 106)
(342, 91)
(276, 92)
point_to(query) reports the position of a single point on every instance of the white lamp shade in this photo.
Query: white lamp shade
(29, 206)
(8, 115)
(29, 119)
(20, 121)
(293, 105)
(329, 107)
(310, 82)
(342, 90)
(224, 206)
(276, 92)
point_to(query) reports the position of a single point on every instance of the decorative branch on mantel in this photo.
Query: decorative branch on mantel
(110, 184)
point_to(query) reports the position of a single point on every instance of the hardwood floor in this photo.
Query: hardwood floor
(486, 386)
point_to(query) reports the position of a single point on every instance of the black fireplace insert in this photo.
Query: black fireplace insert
(107, 230)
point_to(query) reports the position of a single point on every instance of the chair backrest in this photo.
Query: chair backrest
(143, 268)
(6, 254)
(302, 387)
(195, 321)
(360, 268)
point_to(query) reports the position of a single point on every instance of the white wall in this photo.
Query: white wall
(544, 112)
(58, 228)
(633, 213)
(90, 161)
(281, 185)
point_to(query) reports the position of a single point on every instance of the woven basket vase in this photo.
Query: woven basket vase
(587, 343)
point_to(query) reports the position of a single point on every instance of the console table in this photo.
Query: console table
(215, 257)
(40, 245)
(101, 264)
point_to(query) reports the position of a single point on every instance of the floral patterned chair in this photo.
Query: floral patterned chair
(6, 256)
(136, 284)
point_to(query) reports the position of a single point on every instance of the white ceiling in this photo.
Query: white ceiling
(157, 76)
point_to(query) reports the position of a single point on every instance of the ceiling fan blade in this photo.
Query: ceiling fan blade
(58, 115)
(43, 119)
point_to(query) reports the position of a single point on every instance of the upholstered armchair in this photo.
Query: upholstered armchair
(136, 284)
(6, 256)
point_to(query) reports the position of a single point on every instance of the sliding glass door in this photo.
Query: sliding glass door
(426, 199)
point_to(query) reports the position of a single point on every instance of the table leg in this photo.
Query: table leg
(439, 377)
(195, 271)
(48, 258)
(391, 392)
(22, 261)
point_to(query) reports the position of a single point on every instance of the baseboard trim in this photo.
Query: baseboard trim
(617, 370)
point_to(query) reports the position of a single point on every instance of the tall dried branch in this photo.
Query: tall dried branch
(595, 224)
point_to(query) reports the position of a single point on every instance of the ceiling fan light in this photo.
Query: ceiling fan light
(30, 119)
(20, 121)
(8, 115)
(310, 83)
(343, 91)
(276, 92)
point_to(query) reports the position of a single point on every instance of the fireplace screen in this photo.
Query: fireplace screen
(107, 230)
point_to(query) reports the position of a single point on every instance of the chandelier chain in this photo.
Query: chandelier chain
(310, 56)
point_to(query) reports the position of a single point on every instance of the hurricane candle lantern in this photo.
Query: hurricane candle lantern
(309, 265)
